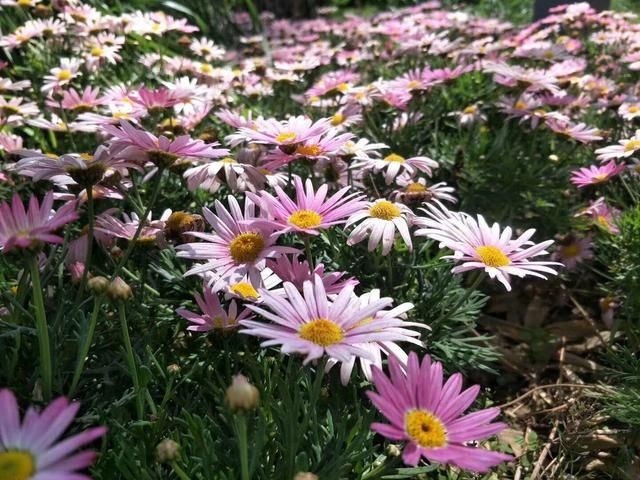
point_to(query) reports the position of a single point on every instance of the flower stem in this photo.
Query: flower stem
(307, 251)
(84, 350)
(131, 361)
(143, 220)
(42, 328)
(179, 472)
(241, 430)
(87, 260)
(476, 282)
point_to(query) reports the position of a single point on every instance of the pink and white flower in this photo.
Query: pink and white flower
(478, 246)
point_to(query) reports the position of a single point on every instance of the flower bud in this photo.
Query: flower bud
(306, 476)
(98, 284)
(393, 451)
(241, 395)
(173, 369)
(119, 290)
(167, 451)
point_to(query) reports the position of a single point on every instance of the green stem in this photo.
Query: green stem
(307, 250)
(467, 293)
(243, 447)
(41, 328)
(376, 472)
(389, 272)
(143, 219)
(87, 260)
(131, 361)
(179, 472)
(86, 345)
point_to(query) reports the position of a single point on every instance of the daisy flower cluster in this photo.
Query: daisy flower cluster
(312, 206)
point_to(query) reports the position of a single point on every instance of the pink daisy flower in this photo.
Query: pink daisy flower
(20, 228)
(595, 175)
(77, 102)
(132, 143)
(312, 210)
(313, 325)
(287, 134)
(293, 270)
(154, 100)
(240, 244)
(379, 350)
(572, 251)
(479, 246)
(213, 316)
(32, 449)
(580, 131)
(427, 413)
(393, 164)
(84, 169)
(602, 215)
(151, 234)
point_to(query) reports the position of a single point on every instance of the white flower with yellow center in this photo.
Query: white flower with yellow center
(380, 221)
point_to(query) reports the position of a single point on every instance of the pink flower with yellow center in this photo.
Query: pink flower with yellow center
(131, 143)
(595, 174)
(239, 245)
(311, 211)
(29, 228)
(428, 413)
(313, 325)
(33, 449)
(478, 246)
(213, 316)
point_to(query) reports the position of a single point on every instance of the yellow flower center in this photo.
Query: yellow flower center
(87, 157)
(245, 290)
(634, 109)
(548, 55)
(415, 187)
(25, 3)
(470, 109)
(10, 109)
(394, 157)
(314, 99)
(343, 87)
(206, 68)
(96, 51)
(602, 221)
(413, 84)
(570, 251)
(632, 146)
(321, 331)
(601, 177)
(520, 105)
(309, 150)
(425, 429)
(492, 256)
(305, 219)
(285, 137)
(246, 247)
(64, 75)
(16, 465)
(385, 210)
(337, 119)
(228, 160)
